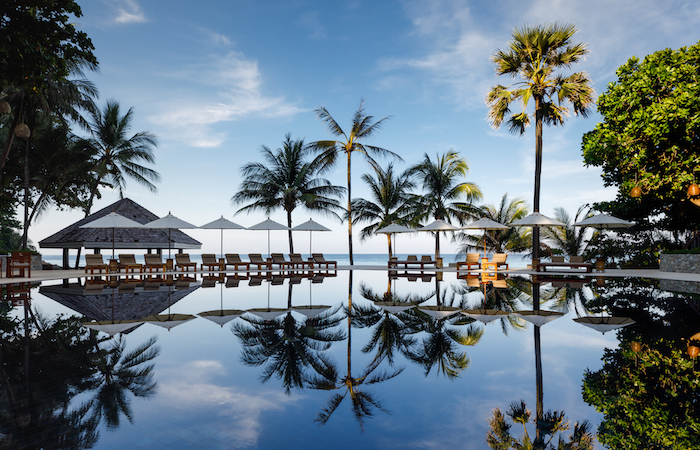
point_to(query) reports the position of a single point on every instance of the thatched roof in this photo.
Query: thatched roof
(124, 238)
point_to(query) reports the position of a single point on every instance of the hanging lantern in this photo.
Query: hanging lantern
(5, 107)
(22, 130)
(636, 192)
(693, 190)
(636, 346)
(693, 351)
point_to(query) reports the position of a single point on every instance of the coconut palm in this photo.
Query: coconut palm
(568, 240)
(446, 196)
(284, 181)
(514, 239)
(362, 128)
(391, 202)
(116, 156)
(535, 55)
(553, 422)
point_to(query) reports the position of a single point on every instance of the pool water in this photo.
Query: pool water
(306, 379)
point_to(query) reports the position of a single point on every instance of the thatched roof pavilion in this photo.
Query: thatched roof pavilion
(97, 239)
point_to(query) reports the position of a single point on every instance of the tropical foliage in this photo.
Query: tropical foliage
(568, 240)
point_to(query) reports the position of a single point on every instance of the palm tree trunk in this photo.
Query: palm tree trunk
(349, 211)
(538, 173)
(539, 410)
(437, 245)
(289, 232)
(388, 238)
(349, 323)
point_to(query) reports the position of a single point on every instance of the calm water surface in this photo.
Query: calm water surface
(281, 383)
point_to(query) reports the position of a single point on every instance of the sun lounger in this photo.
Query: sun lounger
(278, 260)
(256, 259)
(153, 261)
(575, 262)
(182, 260)
(500, 260)
(298, 262)
(128, 262)
(320, 260)
(20, 261)
(234, 259)
(209, 260)
(94, 262)
(413, 261)
(472, 260)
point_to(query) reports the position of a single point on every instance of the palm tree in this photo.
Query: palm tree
(392, 203)
(446, 196)
(362, 128)
(568, 240)
(534, 55)
(117, 156)
(514, 239)
(284, 181)
(553, 422)
(118, 373)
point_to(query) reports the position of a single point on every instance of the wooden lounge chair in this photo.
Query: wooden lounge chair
(21, 261)
(320, 260)
(94, 262)
(128, 262)
(427, 260)
(500, 260)
(278, 260)
(298, 262)
(575, 262)
(182, 260)
(472, 260)
(234, 259)
(256, 259)
(153, 261)
(410, 259)
(209, 260)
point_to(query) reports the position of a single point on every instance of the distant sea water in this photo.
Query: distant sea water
(360, 259)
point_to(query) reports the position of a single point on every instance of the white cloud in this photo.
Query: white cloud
(129, 11)
(221, 89)
(311, 21)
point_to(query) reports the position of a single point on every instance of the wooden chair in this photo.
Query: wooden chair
(320, 260)
(128, 262)
(182, 260)
(297, 261)
(209, 260)
(278, 260)
(95, 262)
(256, 259)
(153, 261)
(472, 260)
(234, 259)
(500, 260)
(427, 260)
(21, 261)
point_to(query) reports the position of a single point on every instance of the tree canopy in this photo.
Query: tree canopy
(650, 137)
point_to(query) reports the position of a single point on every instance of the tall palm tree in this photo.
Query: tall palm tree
(117, 156)
(284, 181)
(391, 202)
(446, 196)
(362, 128)
(514, 239)
(568, 240)
(535, 55)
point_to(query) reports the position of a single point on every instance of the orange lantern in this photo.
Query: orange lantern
(693, 351)
(693, 190)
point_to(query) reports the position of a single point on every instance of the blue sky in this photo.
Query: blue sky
(215, 80)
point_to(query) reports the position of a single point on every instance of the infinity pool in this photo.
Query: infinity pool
(296, 376)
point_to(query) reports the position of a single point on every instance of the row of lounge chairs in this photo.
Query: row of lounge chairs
(413, 261)
(154, 262)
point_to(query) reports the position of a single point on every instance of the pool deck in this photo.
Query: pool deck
(49, 275)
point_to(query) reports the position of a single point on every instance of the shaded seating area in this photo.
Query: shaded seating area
(472, 260)
(209, 261)
(234, 259)
(182, 261)
(558, 262)
(95, 262)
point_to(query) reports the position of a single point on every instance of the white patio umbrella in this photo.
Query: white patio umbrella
(393, 229)
(168, 321)
(310, 226)
(485, 224)
(169, 222)
(395, 307)
(539, 318)
(222, 224)
(604, 323)
(439, 312)
(485, 315)
(221, 316)
(438, 226)
(268, 225)
(537, 219)
(112, 327)
(113, 221)
(603, 221)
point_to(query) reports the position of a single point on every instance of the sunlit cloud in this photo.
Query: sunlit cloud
(222, 89)
(129, 11)
(312, 22)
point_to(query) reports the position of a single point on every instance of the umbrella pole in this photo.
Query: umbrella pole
(113, 243)
(222, 244)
